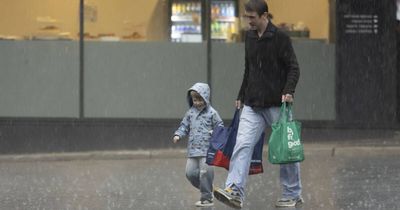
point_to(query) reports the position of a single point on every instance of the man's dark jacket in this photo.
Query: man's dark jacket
(271, 68)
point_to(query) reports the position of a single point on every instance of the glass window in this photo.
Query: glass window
(299, 19)
(126, 20)
(47, 20)
(186, 21)
(224, 21)
(161, 20)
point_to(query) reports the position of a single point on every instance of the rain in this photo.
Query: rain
(91, 92)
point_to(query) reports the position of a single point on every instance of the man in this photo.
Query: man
(270, 77)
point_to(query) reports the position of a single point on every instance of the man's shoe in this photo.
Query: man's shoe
(285, 202)
(204, 203)
(229, 197)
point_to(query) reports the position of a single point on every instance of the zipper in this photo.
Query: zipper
(259, 60)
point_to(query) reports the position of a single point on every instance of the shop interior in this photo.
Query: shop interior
(150, 20)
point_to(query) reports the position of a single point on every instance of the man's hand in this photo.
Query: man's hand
(238, 104)
(287, 98)
(175, 139)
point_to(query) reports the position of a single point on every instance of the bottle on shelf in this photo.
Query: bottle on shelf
(173, 8)
(223, 10)
(193, 7)
(183, 9)
(216, 10)
(231, 11)
(188, 8)
(178, 9)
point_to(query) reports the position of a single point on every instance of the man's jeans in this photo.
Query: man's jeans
(252, 123)
(200, 176)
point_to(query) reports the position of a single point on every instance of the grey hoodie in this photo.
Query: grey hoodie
(198, 124)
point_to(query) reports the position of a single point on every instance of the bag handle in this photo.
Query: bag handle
(286, 113)
(236, 118)
(290, 112)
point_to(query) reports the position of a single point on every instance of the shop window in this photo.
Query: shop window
(39, 20)
(126, 20)
(299, 19)
(188, 20)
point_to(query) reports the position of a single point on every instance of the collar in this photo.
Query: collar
(268, 33)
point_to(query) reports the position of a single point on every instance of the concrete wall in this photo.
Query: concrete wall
(315, 92)
(144, 80)
(134, 93)
(141, 80)
(39, 79)
(315, 96)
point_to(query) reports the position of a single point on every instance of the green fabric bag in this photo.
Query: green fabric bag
(285, 141)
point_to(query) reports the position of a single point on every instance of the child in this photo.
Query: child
(198, 123)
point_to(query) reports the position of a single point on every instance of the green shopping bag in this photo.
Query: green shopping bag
(285, 141)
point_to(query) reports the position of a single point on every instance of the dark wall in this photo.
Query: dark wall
(366, 62)
(29, 136)
(18, 136)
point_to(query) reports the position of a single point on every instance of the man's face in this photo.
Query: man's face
(198, 101)
(255, 21)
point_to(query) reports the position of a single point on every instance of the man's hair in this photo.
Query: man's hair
(259, 6)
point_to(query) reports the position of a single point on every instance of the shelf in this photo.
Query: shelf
(182, 18)
(218, 37)
(178, 34)
(225, 19)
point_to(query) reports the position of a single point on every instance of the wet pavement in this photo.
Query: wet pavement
(335, 176)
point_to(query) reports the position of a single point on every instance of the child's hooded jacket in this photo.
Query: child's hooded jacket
(198, 124)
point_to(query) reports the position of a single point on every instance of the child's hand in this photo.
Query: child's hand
(175, 139)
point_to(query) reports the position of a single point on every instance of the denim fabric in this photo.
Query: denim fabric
(252, 123)
(200, 176)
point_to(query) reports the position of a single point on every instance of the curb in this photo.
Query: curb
(96, 155)
(181, 153)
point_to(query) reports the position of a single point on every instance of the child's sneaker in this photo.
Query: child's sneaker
(285, 202)
(229, 197)
(204, 203)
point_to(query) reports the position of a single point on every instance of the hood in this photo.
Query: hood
(203, 89)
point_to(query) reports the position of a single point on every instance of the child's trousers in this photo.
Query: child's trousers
(201, 176)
